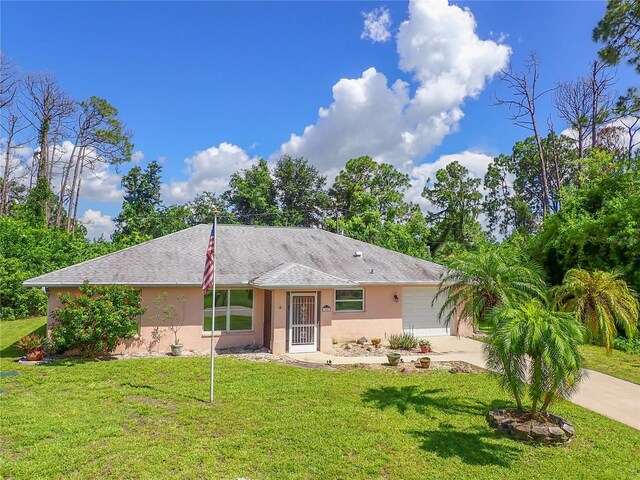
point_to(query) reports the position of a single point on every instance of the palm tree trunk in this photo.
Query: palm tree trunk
(535, 386)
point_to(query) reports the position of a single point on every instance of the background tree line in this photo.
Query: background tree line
(565, 201)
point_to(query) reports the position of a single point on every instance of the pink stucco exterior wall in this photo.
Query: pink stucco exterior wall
(191, 334)
(382, 316)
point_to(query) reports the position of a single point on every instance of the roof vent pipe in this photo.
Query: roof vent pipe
(357, 254)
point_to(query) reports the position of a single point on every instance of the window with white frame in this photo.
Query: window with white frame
(350, 300)
(233, 311)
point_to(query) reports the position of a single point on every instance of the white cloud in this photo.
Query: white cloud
(502, 36)
(619, 133)
(101, 184)
(208, 170)
(99, 181)
(19, 158)
(475, 162)
(376, 25)
(97, 224)
(448, 62)
(137, 156)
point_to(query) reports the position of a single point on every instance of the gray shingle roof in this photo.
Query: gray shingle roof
(294, 274)
(243, 253)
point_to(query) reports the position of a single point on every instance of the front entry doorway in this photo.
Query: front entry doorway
(303, 323)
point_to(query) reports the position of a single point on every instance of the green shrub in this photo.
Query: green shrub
(629, 345)
(403, 341)
(95, 320)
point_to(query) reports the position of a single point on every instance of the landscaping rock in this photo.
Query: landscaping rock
(540, 431)
(568, 429)
(522, 431)
(546, 429)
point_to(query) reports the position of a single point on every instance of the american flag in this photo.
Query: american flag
(209, 264)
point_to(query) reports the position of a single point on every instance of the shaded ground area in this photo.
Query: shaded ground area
(11, 331)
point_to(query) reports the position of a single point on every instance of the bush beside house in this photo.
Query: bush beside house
(96, 319)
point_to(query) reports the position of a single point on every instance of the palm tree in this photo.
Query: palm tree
(601, 301)
(535, 349)
(480, 281)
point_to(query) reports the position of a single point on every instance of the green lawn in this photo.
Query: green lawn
(617, 364)
(13, 330)
(149, 418)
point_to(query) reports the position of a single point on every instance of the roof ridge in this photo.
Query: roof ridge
(266, 226)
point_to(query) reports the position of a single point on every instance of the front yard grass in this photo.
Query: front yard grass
(13, 330)
(149, 418)
(617, 364)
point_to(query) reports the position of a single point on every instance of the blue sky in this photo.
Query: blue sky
(234, 81)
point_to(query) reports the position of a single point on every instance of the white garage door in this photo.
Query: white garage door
(418, 314)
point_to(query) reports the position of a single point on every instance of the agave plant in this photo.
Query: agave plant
(480, 281)
(536, 351)
(602, 301)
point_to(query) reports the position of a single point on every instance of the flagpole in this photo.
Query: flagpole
(213, 317)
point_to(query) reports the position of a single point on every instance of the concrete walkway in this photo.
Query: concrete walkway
(609, 396)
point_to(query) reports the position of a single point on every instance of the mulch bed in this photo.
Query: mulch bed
(415, 368)
(352, 349)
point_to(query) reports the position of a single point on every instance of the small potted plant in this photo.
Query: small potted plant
(33, 347)
(425, 362)
(173, 318)
(376, 342)
(425, 346)
(393, 358)
(176, 348)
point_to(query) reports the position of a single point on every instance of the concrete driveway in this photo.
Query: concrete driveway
(609, 396)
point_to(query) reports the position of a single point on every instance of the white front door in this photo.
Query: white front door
(417, 313)
(303, 325)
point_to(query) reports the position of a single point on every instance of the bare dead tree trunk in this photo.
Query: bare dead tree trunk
(601, 104)
(77, 197)
(47, 106)
(6, 176)
(632, 130)
(63, 187)
(74, 186)
(594, 107)
(523, 112)
(555, 201)
(572, 101)
(543, 166)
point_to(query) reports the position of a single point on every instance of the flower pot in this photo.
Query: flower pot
(176, 350)
(425, 348)
(425, 362)
(394, 358)
(34, 355)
